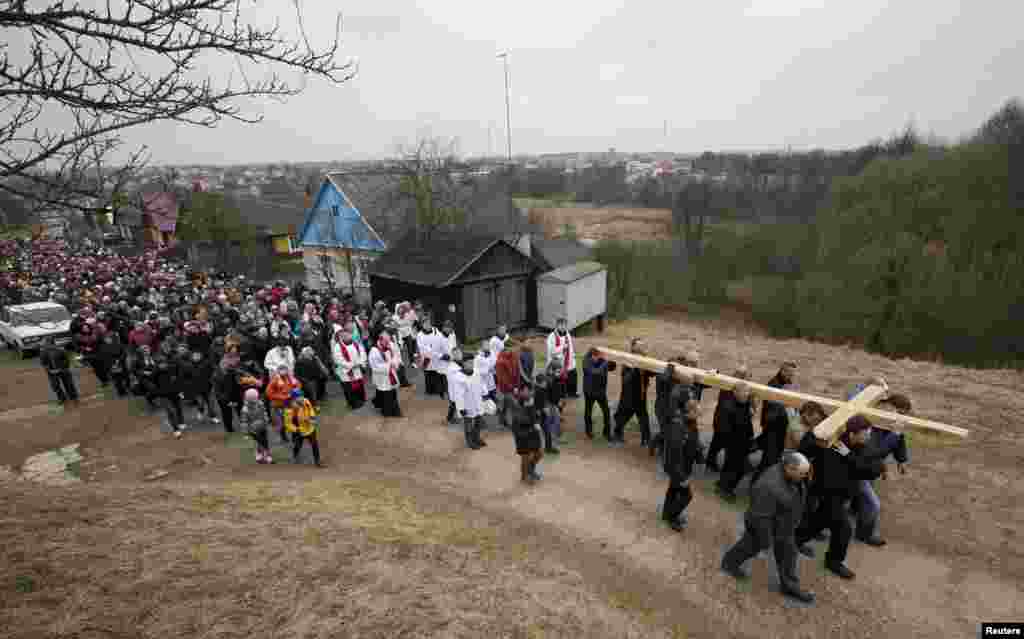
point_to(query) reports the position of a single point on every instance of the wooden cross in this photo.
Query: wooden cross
(831, 428)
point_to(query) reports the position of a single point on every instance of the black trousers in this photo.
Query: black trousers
(831, 513)
(122, 382)
(588, 414)
(403, 378)
(677, 498)
(472, 427)
(262, 441)
(451, 412)
(355, 398)
(102, 370)
(297, 441)
(227, 414)
(175, 413)
(63, 385)
(387, 403)
(572, 384)
(785, 555)
(433, 383)
(625, 411)
(716, 446)
(410, 347)
(736, 465)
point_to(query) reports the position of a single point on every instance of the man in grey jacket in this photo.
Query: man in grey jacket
(776, 507)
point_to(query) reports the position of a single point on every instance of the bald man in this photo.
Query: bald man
(776, 508)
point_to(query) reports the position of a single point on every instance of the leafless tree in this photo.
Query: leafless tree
(436, 184)
(121, 64)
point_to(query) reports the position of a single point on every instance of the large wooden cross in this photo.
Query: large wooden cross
(830, 429)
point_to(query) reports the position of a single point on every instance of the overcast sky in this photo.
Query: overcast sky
(590, 75)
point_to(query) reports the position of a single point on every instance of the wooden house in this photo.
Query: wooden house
(338, 244)
(484, 278)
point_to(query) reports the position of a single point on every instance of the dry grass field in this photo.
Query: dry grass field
(406, 533)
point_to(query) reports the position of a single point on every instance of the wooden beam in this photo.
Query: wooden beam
(792, 399)
(834, 426)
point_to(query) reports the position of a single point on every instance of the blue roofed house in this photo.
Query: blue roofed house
(338, 243)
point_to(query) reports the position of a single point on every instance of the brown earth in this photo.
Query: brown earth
(595, 223)
(407, 533)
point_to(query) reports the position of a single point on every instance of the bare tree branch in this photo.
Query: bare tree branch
(90, 61)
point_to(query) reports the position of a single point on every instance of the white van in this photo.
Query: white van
(24, 326)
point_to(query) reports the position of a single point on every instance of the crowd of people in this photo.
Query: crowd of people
(263, 356)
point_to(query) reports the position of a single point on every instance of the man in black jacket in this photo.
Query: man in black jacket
(682, 445)
(839, 469)
(58, 370)
(735, 415)
(774, 423)
(719, 437)
(776, 508)
(595, 390)
(633, 400)
(168, 388)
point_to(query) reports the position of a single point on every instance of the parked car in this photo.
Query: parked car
(24, 326)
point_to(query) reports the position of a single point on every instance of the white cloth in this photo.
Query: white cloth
(380, 365)
(558, 352)
(498, 344)
(425, 344)
(453, 342)
(450, 373)
(275, 359)
(405, 324)
(440, 347)
(351, 369)
(483, 368)
(468, 395)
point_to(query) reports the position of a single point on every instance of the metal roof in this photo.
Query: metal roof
(572, 272)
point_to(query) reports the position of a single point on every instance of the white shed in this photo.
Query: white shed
(578, 292)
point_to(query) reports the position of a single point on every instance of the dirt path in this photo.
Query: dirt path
(610, 497)
(953, 559)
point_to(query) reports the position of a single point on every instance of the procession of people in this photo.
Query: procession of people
(263, 356)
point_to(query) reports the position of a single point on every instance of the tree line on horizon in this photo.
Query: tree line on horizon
(917, 254)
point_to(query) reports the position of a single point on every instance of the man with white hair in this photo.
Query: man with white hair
(777, 503)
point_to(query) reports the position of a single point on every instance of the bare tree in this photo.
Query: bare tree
(88, 60)
(436, 183)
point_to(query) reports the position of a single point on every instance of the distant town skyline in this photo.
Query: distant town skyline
(735, 76)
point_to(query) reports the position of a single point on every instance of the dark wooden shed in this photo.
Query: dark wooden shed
(487, 280)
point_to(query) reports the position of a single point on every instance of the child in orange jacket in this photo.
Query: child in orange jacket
(279, 392)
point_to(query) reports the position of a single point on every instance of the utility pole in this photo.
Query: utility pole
(508, 107)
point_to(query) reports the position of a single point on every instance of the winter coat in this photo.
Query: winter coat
(776, 508)
(253, 417)
(682, 445)
(522, 422)
(276, 358)
(774, 421)
(837, 475)
(196, 378)
(280, 389)
(736, 422)
(506, 371)
(301, 417)
(595, 376)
